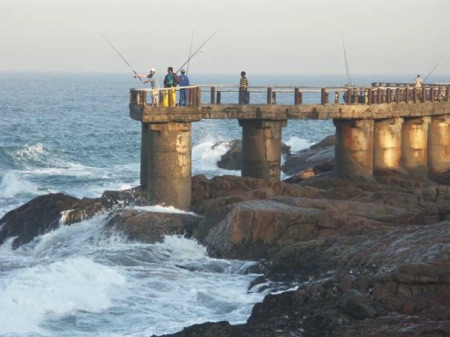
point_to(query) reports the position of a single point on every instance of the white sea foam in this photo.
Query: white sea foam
(56, 289)
(298, 144)
(160, 209)
(12, 185)
(31, 151)
(205, 156)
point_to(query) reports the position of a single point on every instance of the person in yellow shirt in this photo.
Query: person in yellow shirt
(243, 89)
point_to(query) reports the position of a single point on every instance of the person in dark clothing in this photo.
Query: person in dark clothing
(183, 81)
(170, 81)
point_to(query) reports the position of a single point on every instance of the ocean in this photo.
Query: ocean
(72, 133)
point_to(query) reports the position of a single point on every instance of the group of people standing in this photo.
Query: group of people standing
(171, 80)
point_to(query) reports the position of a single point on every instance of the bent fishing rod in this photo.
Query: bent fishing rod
(190, 57)
(123, 58)
(432, 71)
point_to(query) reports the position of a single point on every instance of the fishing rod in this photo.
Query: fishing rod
(190, 51)
(432, 71)
(123, 58)
(347, 69)
(190, 57)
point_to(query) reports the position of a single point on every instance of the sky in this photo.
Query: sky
(260, 36)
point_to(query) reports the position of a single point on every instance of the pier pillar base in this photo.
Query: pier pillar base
(415, 144)
(166, 163)
(354, 147)
(387, 144)
(144, 154)
(439, 144)
(261, 148)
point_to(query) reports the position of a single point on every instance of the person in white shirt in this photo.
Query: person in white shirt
(419, 82)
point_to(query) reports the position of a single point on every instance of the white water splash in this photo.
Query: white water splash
(55, 289)
(12, 185)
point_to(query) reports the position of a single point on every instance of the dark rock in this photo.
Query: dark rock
(319, 158)
(150, 227)
(232, 159)
(356, 305)
(38, 216)
(47, 212)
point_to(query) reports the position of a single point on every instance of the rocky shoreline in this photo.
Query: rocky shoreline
(362, 257)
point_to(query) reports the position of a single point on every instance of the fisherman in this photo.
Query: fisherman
(419, 82)
(154, 84)
(243, 89)
(170, 81)
(183, 81)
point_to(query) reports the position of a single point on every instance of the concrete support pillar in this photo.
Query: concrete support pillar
(144, 154)
(439, 144)
(261, 148)
(167, 155)
(387, 144)
(415, 144)
(354, 147)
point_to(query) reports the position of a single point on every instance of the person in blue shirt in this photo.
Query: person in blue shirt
(183, 81)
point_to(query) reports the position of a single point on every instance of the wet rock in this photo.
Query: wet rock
(317, 159)
(357, 305)
(47, 212)
(151, 227)
(39, 216)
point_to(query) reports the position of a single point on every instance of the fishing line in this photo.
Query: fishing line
(123, 58)
(190, 57)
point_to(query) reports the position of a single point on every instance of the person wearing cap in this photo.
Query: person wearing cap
(154, 84)
(183, 81)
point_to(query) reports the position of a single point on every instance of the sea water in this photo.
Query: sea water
(72, 133)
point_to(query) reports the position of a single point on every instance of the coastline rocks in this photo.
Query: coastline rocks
(257, 229)
(369, 257)
(351, 257)
(47, 212)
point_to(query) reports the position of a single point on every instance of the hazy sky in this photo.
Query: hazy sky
(260, 36)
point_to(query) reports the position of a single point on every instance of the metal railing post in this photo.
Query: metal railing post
(213, 95)
(269, 95)
(219, 97)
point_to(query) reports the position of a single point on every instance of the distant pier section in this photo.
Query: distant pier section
(385, 126)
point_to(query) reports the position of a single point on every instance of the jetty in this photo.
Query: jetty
(384, 126)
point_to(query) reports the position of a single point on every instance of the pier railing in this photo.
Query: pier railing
(377, 93)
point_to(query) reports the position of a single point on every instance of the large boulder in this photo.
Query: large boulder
(40, 215)
(257, 229)
(317, 159)
(47, 212)
(151, 227)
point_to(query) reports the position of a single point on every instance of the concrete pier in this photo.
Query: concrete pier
(354, 147)
(387, 128)
(166, 163)
(415, 144)
(439, 144)
(387, 144)
(261, 148)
